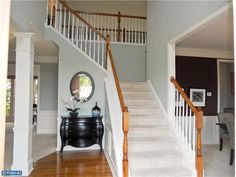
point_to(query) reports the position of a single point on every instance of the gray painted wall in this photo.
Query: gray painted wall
(28, 16)
(130, 62)
(167, 19)
(48, 86)
(226, 97)
(125, 7)
(72, 61)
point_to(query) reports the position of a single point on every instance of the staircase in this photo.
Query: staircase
(153, 149)
(148, 147)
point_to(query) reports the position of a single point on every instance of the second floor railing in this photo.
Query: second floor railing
(120, 27)
(188, 121)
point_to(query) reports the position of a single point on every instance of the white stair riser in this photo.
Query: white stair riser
(150, 146)
(138, 94)
(157, 116)
(141, 103)
(144, 111)
(133, 83)
(143, 163)
(143, 121)
(136, 132)
(127, 87)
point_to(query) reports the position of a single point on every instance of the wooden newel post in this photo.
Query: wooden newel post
(119, 30)
(125, 143)
(199, 159)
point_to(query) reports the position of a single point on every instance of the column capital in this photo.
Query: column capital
(23, 34)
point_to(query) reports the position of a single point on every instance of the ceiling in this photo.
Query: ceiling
(215, 35)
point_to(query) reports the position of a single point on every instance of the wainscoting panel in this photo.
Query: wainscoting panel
(47, 122)
(210, 132)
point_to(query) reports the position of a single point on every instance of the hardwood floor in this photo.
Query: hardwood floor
(73, 164)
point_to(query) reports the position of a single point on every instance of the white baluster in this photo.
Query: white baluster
(46, 23)
(103, 55)
(51, 11)
(112, 28)
(177, 113)
(109, 27)
(115, 28)
(186, 125)
(56, 15)
(194, 135)
(68, 26)
(98, 41)
(73, 28)
(183, 117)
(145, 31)
(190, 131)
(86, 39)
(135, 30)
(64, 23)
(94, 46)
(82, 36)
(139, 31)
(77, 31)
(128, 30)
(60, 19)
(90, 41)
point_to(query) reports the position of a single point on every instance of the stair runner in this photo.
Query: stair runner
(153, 148)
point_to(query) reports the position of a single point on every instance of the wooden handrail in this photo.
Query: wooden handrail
(124, 108)
(81, 18)
(110, 14)
(198, 125)
(121, 98)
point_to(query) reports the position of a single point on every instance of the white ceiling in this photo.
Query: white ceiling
(215, 35)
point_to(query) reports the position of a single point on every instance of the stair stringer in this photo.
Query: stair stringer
(116, 125)
(187, 155)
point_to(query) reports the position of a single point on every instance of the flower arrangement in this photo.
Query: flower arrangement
(71, 104)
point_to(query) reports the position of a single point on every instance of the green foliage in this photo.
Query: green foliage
(85, 81)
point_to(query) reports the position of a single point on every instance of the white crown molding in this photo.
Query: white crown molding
(194, 52)
(23, 34)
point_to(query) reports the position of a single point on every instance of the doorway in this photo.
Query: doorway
(225, 85)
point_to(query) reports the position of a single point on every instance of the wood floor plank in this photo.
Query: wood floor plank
(73, 164)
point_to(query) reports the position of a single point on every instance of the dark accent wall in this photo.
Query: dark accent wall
(196, 72)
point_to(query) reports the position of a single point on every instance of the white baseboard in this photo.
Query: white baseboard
(47, 122)
(157, 98)
(110, 163)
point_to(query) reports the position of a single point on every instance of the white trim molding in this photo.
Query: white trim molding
(110, 163)
(194, 52)
(157, 98)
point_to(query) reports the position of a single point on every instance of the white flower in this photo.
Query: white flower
(71, 103)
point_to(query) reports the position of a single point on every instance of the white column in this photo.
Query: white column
(4, 35)
(22, 146)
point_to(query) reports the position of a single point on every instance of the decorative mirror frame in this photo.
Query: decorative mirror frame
(92, 82)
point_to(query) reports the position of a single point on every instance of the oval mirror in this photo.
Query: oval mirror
(82, 86)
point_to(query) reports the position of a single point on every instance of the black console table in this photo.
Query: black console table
(81, 131)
